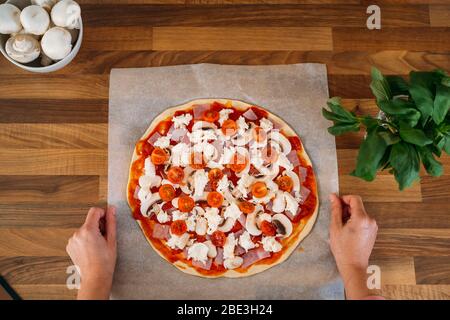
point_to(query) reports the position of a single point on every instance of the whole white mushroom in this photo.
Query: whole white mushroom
(46, 4)
(66, 14)
(56, 43)
(23, 48)
(9, 19)
(35, 19)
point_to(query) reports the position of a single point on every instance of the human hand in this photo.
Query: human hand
(95, 253)
(352, 242)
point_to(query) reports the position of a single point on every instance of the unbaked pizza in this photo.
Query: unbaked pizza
(222, 188)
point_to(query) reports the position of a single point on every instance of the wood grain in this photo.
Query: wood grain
(412, 242)
(53, 127)
(57, 136)
(383, 189)
(43, 214)
(391, 39)
(52, 162)
(440, 15)
(48, 189)
(53, 111)
(395, 270)
(43, 242)
(237, 38)
(305, 15)
(35, 270)
(432, 270)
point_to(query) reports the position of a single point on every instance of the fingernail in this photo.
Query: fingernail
(331, 197)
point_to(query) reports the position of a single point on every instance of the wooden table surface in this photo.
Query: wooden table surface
(53, 127)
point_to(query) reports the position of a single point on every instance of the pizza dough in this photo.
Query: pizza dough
(300, 229)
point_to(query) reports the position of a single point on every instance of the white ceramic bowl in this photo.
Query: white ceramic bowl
(35, 66)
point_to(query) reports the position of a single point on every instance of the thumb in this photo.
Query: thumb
(336, 211)
(111, 225)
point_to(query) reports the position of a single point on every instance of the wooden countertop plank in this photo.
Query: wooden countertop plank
(239, 38)
(267, 15)
(50, 215)
(56, 136)
(395, 270)
(48, 189)
(37, 86)
(53, 162)
(118, 38)
(34, 242)
(53, 110)
(432, 270)
(413, 38)
(416, 292)
(45, 291)
(383, 189)
(101, 60)
(431, 215)
(35, 270)
(412, 242)
(440, 15)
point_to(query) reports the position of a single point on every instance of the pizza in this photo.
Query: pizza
(222, 188)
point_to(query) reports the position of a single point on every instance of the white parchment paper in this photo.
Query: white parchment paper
(296, 93)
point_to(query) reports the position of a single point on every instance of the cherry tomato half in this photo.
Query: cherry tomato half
(259, 189)
(178, 227)
(246, 207)
(229, 127)
(166, 192)
(159, 156)
(285, 183)
(185, 203)
(268, 228)
(238, 162)
(211, 115)
(218, 238)
(215, 174)
(214, 199)
(175, 174)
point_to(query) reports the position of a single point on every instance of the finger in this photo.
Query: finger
(93, 217)
(111, 225)
(336, 211)
(355, 204)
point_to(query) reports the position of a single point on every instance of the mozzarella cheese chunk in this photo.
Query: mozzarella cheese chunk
(178, 242)
(242, 125)
(162, 216)
(232, 211)
(180, 156)
(198, 252)
(224, 115)
(246, 242)
(181, 121)
(228, 248)
(214, 219)
(233, 263)
(266, 124)
(163, 142)
(270, 244)
(178, 215)
(291, 203)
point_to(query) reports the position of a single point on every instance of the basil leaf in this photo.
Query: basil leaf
(430, 164)
(341, 128)
(335, 117)
(379, 86)
(398, 85)
(441, 103)
(370, 153)
(389, 137)
(404, 110)
(421, 90)
(447, 145)
(405, 164)
(414, 136)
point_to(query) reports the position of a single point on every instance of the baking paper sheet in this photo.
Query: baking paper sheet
(296, 93)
